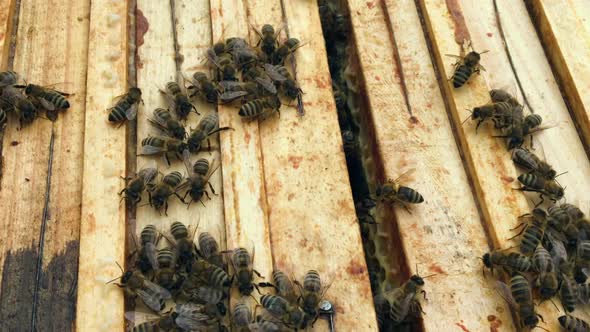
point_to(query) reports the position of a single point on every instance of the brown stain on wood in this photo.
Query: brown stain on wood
(435, 268)
(507, 179)
(294, 160)
(141, 27)
(495, 323)
(356, 268)
(463, 327)
(461, 32)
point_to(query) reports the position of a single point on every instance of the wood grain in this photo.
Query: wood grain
(565, 31)
(102, 231)
(488, 161)
(444, 235)
(7, 11)
(312, 218)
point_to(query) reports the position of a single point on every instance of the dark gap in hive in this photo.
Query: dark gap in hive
(131, 136)
(365, 166)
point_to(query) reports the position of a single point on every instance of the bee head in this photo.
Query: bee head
(477, 113)
(515, 142)
(531, 320)
(417, 280)
(221, 309)
(292, 42)
(126, 276)
(472, 58)
(135, 93)
(487, 260)
(268, 29)
(246, 289)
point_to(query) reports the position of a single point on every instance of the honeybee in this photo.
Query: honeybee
(51, 100)
(25, 110)
(209, 250)
(465, 67)
(532, 233)
(213, 275)
(243, 54)
(534, 183)
(136, 185)
(533, 164)
(288, 85)
(285, 49)
(312, 292)
(289, 314)
(8, 78)
(224, 63)
(268, 38)
(573, 324)
(209, 295)
(568, 293)
(395, 305)
(159, 194)
(166, 273)
(499, 112)
(179, 100)
(204, 87)
(147, 259)
(244, 272)
(531, 122)
(163, 120)
(547, 281)
(520, 299)
(392, 191)
(136, 285)
(183, 243)
(185, 317)
(512, 261)
(500, 95)
(260, 108)
(234, 90)
(153, 145)
(242, 316)
(284, 286)
(126, 107)
(208, 126)
(198, 180)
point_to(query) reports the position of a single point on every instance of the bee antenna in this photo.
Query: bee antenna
(431, 275)
(108, 282)
(469, 117)
(486, 51)
(560, 174)
(120, 268)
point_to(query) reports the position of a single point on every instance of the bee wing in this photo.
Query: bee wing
(8, 80)
(138, 317)
(558, 251)
(46, 104)
(149, 149)
(190, 316)
(212, 57)
(267, 84)
(148, 174)
(504, 291)
(152, 254)
(231, 85)
(131, 112)
(273, 73)
(404, 174)
(151, 294)
(229, 96)
(186, 159)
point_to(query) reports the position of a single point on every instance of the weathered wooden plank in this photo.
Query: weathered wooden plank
(7, 10)
(42, 162)
(565, 31)
(312, 216)
(102, 231)
(244, 191)
(443, 234)
(487, 161)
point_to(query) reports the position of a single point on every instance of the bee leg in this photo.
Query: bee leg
(193, 106)
(166, 208)
(207, 194)
(212, 190)
(540, 202)
(209, 145)
(424, 294)
(258, 274)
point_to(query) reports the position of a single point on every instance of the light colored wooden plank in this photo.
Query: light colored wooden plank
(565, 30)
(312, 216)
(6, 15)
(443, 234)
(102, 233)
(561, 145)
(244, 195)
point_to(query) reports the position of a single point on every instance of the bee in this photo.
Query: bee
(289, 314)
(209, 250)
(242, 316)
(51, 100)
(284, 286)
(547, 280)
(179, 100)
(185, 317)
(126, 107)
(153, 145)
(312, 292)
(147, 259)
(204, 87)
(533, 164)
(520, 298)
(512, 261)
(185, 247)
(568, 293)
(534, 183)
(499, 95)
(531, 122)
(163, 120)
(285, 49)
(212, 275)
(257, 108)
(198, 179)
(25, 110)
(242, 264)
(532, 233)
(166, 273)
(392, 192)
(268, 39)
(138, 184)
(234, 90)
(160, 193)
(395, 305)
(208, 126)
(243, 54)
(136, 285)
(573, 324)
(8, 78)
(223, 61)
(465, 67)
(288, 85)
(209, 295)
(499, 112)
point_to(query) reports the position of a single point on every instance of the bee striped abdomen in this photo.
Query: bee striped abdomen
(312, 281)
(531, 180)
(118, 112)
(410, 195)
(274, 304)
(520, 289)
(573, 324)
(542, 255)
(583, 250)
(531, 238)
(201, 166)
(57, 99)
(149, 234)
(165, 258)
(145, 327)
(173, 87)
(251, 108)
(219, 278)
(3, 118)
(533, 121)
(568, 294)
(178, 229)
(518, 262)
(461, 75)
